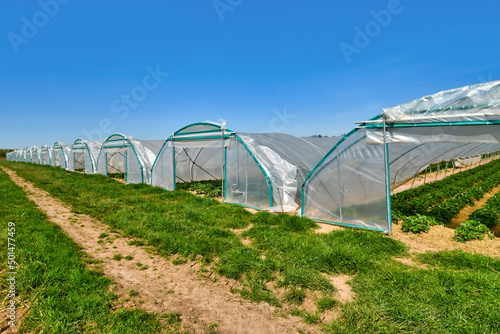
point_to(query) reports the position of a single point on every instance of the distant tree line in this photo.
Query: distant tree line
(4, 151)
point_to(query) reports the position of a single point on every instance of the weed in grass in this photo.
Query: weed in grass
(129, 257)
(144, 267)
(212, 328)
(138, 264)
(103, 235)
(326, 303)
(256, 291)
(295, 296)
(136, 242)
(309, 318)
(172, 318)
(179, 261)
(133, 293)
(117, 257)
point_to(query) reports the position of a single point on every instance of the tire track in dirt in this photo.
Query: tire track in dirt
(163, 287)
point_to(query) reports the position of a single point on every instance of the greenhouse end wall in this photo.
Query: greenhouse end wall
(349, 186)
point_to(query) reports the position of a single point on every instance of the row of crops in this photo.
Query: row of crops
(444, 199)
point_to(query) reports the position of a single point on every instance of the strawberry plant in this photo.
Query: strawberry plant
(418, 223)
(486, 215)
(471, 230)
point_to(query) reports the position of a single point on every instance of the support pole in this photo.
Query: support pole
(223, 160)
(387, 181)
(414, 179)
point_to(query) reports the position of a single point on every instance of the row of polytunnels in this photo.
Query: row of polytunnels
(342, 180)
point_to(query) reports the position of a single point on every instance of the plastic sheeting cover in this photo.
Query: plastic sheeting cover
(83, 155)
(475, 102)
(349, 186)
(134, 157)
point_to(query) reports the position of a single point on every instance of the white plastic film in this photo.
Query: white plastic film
(469, 103)
(349, 186)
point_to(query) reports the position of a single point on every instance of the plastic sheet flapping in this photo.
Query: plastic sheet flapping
(469, 103)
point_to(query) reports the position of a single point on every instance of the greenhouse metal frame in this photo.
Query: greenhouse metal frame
(123, 154)
(83, 155)
(46, 155)
(60, 154)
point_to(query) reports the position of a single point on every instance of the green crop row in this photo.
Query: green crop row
(440, 194)
(410, 194)
(489, 213)
(446, 211)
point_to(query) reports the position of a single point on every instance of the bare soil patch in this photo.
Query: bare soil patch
(327, 228)
(410, 262)
(343, 291)
(157, 285)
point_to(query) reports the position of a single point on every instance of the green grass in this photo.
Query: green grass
(397, 299)
(285, 250)
(64, 296)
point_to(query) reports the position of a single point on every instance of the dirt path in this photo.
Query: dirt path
(161, 286)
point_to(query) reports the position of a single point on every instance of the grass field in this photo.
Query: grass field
(456, 293)
(64, 296)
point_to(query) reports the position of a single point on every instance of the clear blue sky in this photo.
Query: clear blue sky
(66, 70)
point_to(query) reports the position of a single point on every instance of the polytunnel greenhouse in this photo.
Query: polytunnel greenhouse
(46, 155)
(83, 155)
(352, 184)
(262, 171)
(60, 154)
(35, 155)
(133, 157)
(31, 154)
